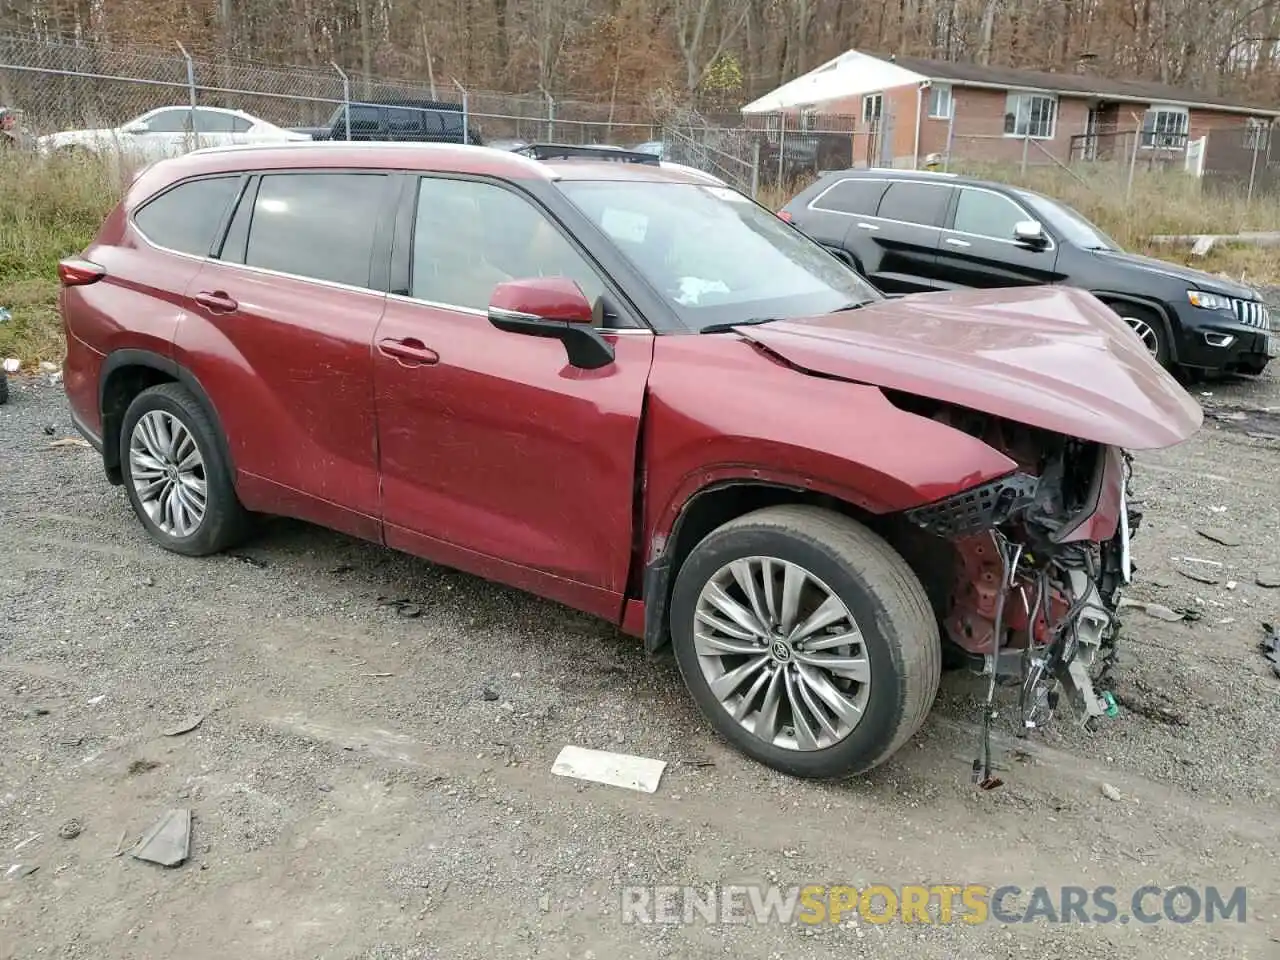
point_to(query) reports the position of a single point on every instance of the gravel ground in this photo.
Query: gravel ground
(366, 784)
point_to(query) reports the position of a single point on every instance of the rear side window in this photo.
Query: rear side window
(186, 218)
(923, 203)
(404, 120)
(317, 225)
(851, 196)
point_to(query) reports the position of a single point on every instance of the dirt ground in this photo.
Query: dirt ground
(368, 784)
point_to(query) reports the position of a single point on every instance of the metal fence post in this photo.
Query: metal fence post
(551, 114)
(1256, 136)
(782, 143)
(466, 118)
(951, 135)
(755, 168)
(346, 99)
(1133, 163)
(191, 93)
(1026, 145)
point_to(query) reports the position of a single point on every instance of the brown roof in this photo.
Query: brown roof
(1082, 84)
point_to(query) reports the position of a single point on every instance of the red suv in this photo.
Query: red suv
(628, 388)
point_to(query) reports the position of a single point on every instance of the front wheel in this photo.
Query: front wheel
(176, 475)
(1149, 329)
(806, 639)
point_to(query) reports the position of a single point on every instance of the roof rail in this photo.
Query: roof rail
(563, 151)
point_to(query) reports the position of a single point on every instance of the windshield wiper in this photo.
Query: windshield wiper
(729, 325)
(852, 305)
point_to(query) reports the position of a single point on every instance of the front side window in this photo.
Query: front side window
(715, 256)
(317, 225)
(987, 214)
(920, 203)
(186, 217)
(1165, 128)
(1069, 224)
(1031, 115)
(469, 236)
(169, 121)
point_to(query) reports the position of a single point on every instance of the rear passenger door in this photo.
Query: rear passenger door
(978, 248)
(278, 329)
(830, 217)
(905, 234)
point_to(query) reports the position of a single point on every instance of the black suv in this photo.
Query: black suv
(910, 232)
(413, 120)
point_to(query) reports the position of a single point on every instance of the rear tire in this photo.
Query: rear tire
(846, 695)
(176, 475)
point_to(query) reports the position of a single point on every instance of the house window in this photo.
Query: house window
(1165, 128)
(871, 106)
(1256, 134)
(808, 119)
(940, 102)
(1031, 115)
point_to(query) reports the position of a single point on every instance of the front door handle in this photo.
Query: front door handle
(409, 352)
(958, 243)
(217, 301)
(867, 226)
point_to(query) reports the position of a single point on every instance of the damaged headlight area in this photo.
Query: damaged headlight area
(1031, 587)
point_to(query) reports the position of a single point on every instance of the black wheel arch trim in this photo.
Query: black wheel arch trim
(1171, 344)
(130, 357)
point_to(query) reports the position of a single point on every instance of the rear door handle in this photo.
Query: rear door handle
(217, 301)
(409, 352)
(867, 226)
(958, 243)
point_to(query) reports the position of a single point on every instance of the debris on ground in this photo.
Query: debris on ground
(406, 608)
(488, 694)
(20, 870)
(245, 558)
(50, 429)
(613, 769)
(142, 766)
(1111, 793)
(5, 315)
(27, 842)
(1157, 610)
(186, 726)
(1220, 535)
(1267, 578)
(1270, 646)
(377, 676)
(69, 442)
(70, 830)
(168, 843)
(12, 365)
(1200, 576)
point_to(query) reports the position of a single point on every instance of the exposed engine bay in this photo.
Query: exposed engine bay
(1037, 562)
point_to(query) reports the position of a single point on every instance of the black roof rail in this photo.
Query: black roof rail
(564, 151)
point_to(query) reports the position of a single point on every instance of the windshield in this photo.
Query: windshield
(1070, 225)
(717, 257)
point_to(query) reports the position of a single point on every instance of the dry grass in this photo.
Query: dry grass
(48, 210)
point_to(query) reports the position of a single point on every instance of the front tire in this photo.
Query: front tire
(1149, 329)
(176, 475)
(806, 640)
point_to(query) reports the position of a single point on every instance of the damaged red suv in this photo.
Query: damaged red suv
(626, 387)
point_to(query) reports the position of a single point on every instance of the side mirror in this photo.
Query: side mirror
(1029, 232)
(552, 307)
(136, 128)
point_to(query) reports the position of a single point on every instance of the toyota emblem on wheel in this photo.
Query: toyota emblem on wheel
(781, 652)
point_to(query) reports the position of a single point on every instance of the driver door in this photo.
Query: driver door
(497, 456)
(165, 133)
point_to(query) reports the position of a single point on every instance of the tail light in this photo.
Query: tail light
(785, 216)
(79, 273)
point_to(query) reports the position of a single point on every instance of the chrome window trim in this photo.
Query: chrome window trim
(472, 311)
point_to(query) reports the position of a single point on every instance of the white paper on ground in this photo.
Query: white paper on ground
(614, 769)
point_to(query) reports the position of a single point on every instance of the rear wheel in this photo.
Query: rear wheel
(806, 640)
(175, 474)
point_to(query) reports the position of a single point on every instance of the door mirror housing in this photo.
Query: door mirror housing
(1029, 232)
(135, 128)
(552, 307)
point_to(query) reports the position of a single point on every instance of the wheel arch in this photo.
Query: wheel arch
(706, 509)
(126, 373)
(1116, 299)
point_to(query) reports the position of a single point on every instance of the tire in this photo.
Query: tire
(1150, 329)
(224, 521)
(878, 590)
(4, 387)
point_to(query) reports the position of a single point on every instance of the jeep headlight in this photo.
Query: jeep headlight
(1209, 301)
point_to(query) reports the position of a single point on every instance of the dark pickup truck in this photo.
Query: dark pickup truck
(415, 120)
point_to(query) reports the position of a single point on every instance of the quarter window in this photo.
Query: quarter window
(1165, 128)
(470, 236)
(987, 214)
(186, 218)
(922, 203)
(317, 225)
(1030, 115)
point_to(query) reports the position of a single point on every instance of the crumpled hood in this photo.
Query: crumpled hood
(1056, 358)
(1195, 279)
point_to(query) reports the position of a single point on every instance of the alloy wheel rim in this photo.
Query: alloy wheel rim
(1146, 333)
(782, 653)
(168, 475)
